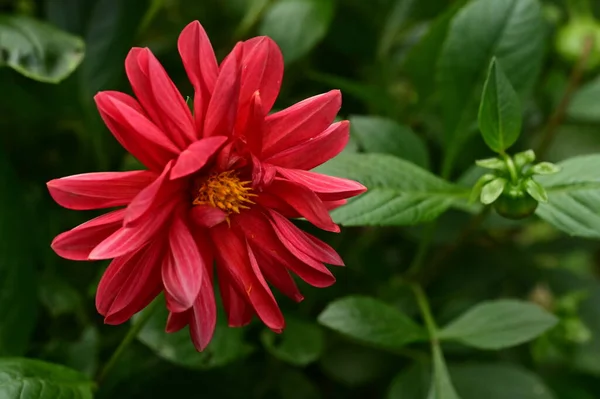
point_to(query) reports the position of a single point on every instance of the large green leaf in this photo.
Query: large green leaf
(499, 111)
(226, 346)
(441, 384)
(22, 378)
(297, 25)
(110, 34)
(584, 105)
(411, 383)
(37, 49)
(400, 193)
(573, 197)
(371, 321)
(299, 344)
(385, 136)
(18, 302)
(499, 324)
(497, 381)
(481, 30)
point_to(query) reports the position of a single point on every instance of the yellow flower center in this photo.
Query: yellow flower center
(225, 191)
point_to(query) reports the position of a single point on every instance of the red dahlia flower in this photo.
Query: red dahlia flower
(220, 185)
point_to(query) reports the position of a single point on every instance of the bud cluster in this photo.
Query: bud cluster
(510, 185)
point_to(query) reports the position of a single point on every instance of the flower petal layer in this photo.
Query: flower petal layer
(99, 190)
(77, 243)
(195, 157)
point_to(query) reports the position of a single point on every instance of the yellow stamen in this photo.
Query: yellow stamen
(226, 192)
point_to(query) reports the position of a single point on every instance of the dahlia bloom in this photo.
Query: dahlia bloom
(220, 186)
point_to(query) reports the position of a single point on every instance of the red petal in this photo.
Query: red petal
(233, 255)
(159, 97)
(262, 173)
(183, 269)
(305, 202)
(253, 126)
(278, 275)
(239, 312)
(328, 188)
(262, 70)
(331, 205)
(132, 129)
(177, 321)
(146, 200)
(259, 231)
(300, 122)
(77, 243)
(204, 313)
(99, 190)
(195, 157)
(304, 242)
(129, 284)
(129, 239)
(313, 153)
(201, 66)
(222, 109)
(207, 216)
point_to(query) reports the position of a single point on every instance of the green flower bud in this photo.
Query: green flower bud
(515, 203)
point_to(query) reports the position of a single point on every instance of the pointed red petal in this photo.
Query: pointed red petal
(193, 158)
(233, 255)
(204, 312)
(99, 190)
(134, 131)
(183, 269)
(259, 231)
(328, 188)
(238, 309)
(222, 109)
(262, 70)
(313, 153)
(129, 239)
(177, 321)
(277, 275)
(307, 203)
(253, 126)
(201, 67)
(304, 242)
(159, 97)
(77, 243)
(300, 122)
(129, 284)
(148, 198)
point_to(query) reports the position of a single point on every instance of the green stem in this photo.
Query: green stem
(512, 170)
(422, 249)
(135, 328)
(425, 309)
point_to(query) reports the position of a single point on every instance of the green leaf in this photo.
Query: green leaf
(573, 197)
(400, 193)
(384, 136)
(499, 324)
(497, 381)
(500, 110)
(22, 378)
(226, 346)
(301, 342)
(491, 191)
(412, 383)
(421, 60)
(297, 25)
(545, 168)
(110, 34)
(584, 105)
(371, 321)
(18, 302)
(441, 384)
(296, 385)
(491, 163)
(523, 158)
(37, 49)
(536, 190)
(481, 30)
